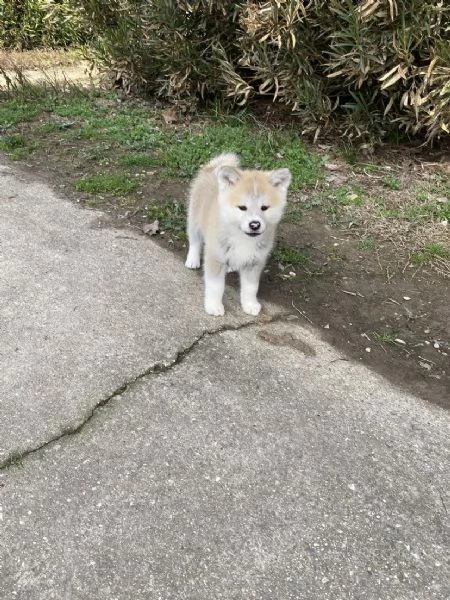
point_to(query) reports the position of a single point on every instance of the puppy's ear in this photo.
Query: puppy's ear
(280, 178)
(228, 176)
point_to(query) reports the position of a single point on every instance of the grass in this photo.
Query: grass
(430, 251)
(349, 196)
(367, 243)
(392, 182)
(258, 147)
(117, 184)
(288, 256)
(137, 160)
(15, 111)
(385, 337)
(111, 140)
(350, 153)
(16, 146)
(171, 217)
(430, 210)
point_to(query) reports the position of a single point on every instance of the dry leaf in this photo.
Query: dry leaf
(151, 228)
(170, 116)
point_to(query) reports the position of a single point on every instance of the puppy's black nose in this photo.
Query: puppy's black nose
(254, 225)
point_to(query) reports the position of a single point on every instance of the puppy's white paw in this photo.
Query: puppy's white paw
(251, 308)
(215, 309)
(192, 262)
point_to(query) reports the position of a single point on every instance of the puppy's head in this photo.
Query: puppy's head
(252, 200)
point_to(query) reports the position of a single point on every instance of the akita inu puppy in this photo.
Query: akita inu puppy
(234, 213)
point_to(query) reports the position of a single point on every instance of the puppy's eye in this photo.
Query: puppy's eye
(242, 207)
(264, 207)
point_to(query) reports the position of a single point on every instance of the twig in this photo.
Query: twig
(407, 264)
(302, 313)
(427, 360)
(388, 275)
(352, 293)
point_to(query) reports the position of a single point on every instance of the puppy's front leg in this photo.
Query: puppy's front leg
(214, 286)
(249, 289)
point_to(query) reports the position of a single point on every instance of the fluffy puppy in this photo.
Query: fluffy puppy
(234, 213)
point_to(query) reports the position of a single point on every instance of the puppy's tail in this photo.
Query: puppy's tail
(227, 159)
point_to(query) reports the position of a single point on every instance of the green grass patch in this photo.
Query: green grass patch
(385, 337)
(117, 184)
(179, 152)
(13, 112)
(171, 217)
(431, 250)
(11, 142)
(16, 146)
(286, 255)
(429, 211)
(137, 160)
(367, 243)
(258, 147)
(350, 153)
(349, 197)
(392, 182)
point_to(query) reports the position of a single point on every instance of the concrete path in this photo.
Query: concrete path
(149, 451)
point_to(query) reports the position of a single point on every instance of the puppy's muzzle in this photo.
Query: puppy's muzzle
(254, 227)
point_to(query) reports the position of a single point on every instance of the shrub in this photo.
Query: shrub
(371, 65)
(29, 24)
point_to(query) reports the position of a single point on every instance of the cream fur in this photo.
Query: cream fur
(234, 214)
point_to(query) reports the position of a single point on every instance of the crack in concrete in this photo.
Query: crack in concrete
(156, 369)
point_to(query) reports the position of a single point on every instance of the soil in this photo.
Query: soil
(349, 294)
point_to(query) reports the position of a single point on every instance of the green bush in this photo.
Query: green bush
(370, 66)
(29, 24)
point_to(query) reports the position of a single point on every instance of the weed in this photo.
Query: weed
(384, 210)
(367, 243)
(109, 183)
(293, 214)
(431, 250)
(15, 111)
(422, 195)
(384, 337)
(171, 217)
(432, 210)
(137, 159)
(349, 197)
(312, 202)
(289, 256)
(350, 153)
(11, 142)
(16, 146)
(392, 182)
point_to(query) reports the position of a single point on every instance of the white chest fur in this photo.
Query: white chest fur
(240, 251)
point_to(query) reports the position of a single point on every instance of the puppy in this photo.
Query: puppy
(234, 213)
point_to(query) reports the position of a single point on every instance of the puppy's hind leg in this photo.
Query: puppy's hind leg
(195, 237)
